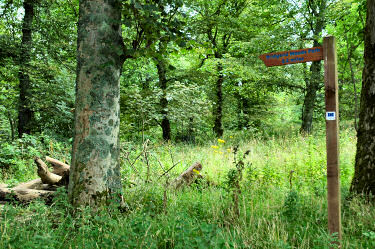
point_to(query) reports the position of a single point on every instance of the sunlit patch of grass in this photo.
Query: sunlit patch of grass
(278, 208)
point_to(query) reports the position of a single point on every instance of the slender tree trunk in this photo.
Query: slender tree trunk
(242, 111)
(350, 51)
(11, 122)
(218, 107)
(25, 113)
(190, 131)
(165, 124)
(95, 169)
(239, 111)
(355, 93)
(312, 88)
(246, 110)
(364, 175)
(317, 9)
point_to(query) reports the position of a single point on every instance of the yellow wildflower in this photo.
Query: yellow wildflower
(228, 150)
(216, 151)
(214, 147)
(220, 152)
(220, 140)
(230, 136)
(196, 172)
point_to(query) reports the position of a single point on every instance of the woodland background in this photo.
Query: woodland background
(192, 89)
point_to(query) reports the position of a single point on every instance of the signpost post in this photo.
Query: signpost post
(328, 53)
(332, 135)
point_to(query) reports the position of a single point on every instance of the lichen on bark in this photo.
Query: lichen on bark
(95, 170)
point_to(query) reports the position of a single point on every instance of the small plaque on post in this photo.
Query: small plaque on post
(330, 115)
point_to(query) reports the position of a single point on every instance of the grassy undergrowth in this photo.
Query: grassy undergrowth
(282, 202)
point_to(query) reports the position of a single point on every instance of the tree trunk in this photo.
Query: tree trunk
(95, 169)
(355, 92)
(317, 10)
(11, 123)
(242, 111)
(165, 124)
(218, 107)
(350, 49)
(312, 88)
(364, 175)
(25, 113)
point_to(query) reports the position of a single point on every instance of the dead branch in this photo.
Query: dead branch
(45, 175)
(59, 168)
(166, 172)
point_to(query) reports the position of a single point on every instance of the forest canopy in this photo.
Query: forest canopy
(192, 69)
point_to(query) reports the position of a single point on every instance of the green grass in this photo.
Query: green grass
(273, 214)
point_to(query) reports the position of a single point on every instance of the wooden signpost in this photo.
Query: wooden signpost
(328, 53)
(292, 56)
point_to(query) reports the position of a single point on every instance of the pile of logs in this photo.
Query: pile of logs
(43, 188)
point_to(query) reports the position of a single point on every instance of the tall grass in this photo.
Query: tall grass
(282, 202)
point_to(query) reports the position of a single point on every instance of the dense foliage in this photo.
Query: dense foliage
(191, 76)
(200, 46)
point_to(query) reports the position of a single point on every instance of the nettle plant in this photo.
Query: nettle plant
(234, 177)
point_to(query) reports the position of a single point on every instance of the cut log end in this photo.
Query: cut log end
(187, 177)
(59, 168)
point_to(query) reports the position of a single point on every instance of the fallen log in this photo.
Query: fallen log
(59, 168)
(188, 176)
(24, 195)
(36, 184)
(33, 184)
(43, 188)
(45, 175)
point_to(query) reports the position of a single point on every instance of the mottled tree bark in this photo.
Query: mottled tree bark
(165, 123)
(364, 176)
(95, 170)
(25, 113)
(218, 107)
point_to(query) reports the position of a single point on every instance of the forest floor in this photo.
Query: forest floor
(282, 202)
